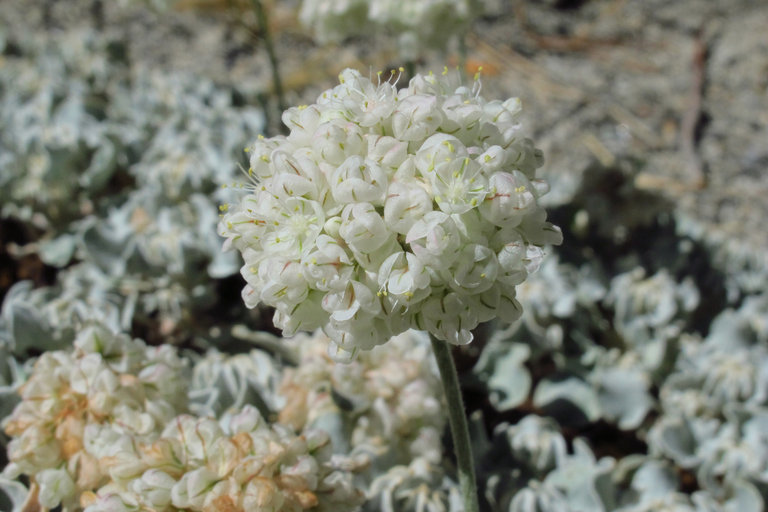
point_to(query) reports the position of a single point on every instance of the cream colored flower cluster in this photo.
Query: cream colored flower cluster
(239, 463)
(102, 429)
(109, 382)
(388, 209)
(389, 399)
(417, 24)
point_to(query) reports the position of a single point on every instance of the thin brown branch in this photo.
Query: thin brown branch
(691, 122)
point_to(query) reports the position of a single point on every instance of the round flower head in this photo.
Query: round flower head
(386, 209)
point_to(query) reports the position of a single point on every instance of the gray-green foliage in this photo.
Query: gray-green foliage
(58, 154)
(76, 112)
(221, 383)
(620, 343)
(711, 416)
(121, 168)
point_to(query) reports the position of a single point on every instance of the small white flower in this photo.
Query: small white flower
(359, 180)
(434, 239)
(416, 117)
(367, 104)
(407, 202)
(303, 122)
(192, 489)
(438, 149)
(306, 181)
(56, 486)
(362, 228)
(475, 270)
(246, 420)
(307, 315)
(334, 140)
(112, 502)
(403, 273)
(346, 304)
(450, 317)
(154, 487)
(510, 199)
(328, 266)
(196, 435)
(262, 494)
(283, 281)
(388, 151)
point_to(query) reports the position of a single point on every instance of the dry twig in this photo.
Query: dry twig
(690, 125)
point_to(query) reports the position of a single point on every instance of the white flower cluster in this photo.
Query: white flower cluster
(109, 382)
(423, 23)
(392, 397)
(237, 463)
(335, 20)
(388, 209)
(416, 23)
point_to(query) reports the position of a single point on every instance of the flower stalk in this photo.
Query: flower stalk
(457, 419)
(266, 35)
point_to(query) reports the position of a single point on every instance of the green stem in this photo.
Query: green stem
(410, 68)
(261, 16)
(457, 419)
(462, 54)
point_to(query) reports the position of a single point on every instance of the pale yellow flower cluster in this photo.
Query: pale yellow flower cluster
(237, 464)
(102, 428)
(109, 382)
